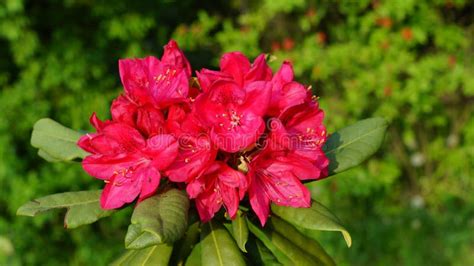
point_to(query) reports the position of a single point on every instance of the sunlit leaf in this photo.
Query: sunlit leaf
(158, 219)
(218, 247)
(317, 217)
(152, 256)
(55, 141)
(352, 145)
(240, 231)
(83, 207)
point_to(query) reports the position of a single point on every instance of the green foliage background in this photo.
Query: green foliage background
(408, 61)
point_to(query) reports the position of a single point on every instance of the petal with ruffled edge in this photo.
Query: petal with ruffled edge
(259, 70)
(235, 64)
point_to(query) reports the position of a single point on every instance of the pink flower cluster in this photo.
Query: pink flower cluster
(226, 134)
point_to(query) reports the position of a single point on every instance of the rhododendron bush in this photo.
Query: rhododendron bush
(214, 166)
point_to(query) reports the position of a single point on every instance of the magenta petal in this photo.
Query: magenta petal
(206, 77)
(259, 201)
(119, 192)
(232, 138)
(258, 95)
(135, 76)
(284, 189)
(195, 155)
(123, 110)
(150, 180)
(293, 93)
(163, 149)
(207, 204)
(150, 120)
(259, 70)
(231, 177)
(104, 167)
(174, 57)
(236, 65)
(195, 187)
(230, 198)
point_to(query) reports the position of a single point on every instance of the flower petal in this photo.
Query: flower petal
(163, 149)
(236, 65)
(259, 70)
(259, 201)
(119, 192)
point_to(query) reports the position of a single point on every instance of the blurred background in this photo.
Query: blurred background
(410, 61)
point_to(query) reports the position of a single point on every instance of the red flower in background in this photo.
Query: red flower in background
(209, 138)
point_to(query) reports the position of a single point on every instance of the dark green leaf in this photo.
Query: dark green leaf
(159, 219)
(218, 247)
(83, 207)
(185, 245)
(352, 145)
(194, 258)
(309, 245)
(56, 142)
(154, 256)
(240, 231)
(284, 250)
(317, 217)
(260, 254)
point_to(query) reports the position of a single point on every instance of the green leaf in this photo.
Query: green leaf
(56, 142)
(47, 157)
(194, 258)
(83, 207)
(309, 245)
(284, 250)
(162, 218)
(240, 231)
(185, 245)
(260, 254)
(218, 247)
(352, 145)
(154, 255)
(317, 217)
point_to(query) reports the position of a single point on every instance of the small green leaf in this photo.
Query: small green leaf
(218, 247)
(154, 256)
(309, 245)
(352, 145)
(317, 217)
(284, 250)
(240, 231)
(194, 258)
(159, 219)
(83, 207)
(56, 142)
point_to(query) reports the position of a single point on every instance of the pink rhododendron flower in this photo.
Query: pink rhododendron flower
(219, 185)
(232, 133)
(129, 163)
